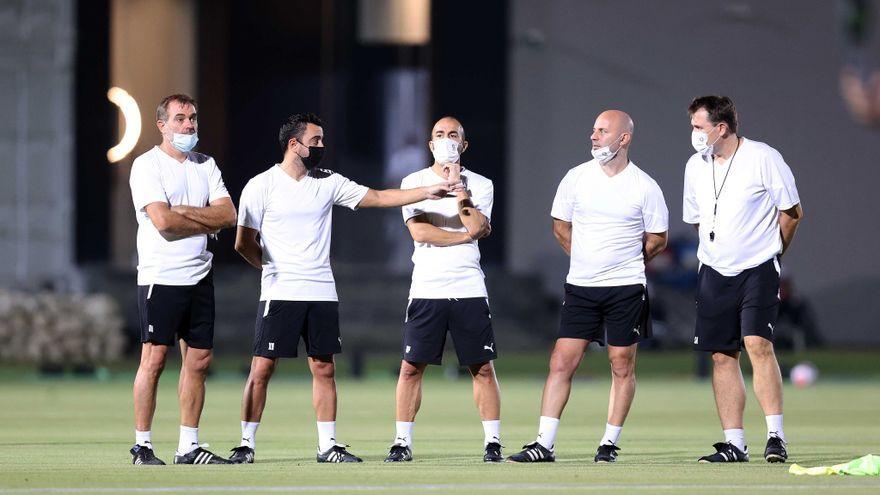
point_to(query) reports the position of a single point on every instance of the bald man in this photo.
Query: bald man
(610, 217)
(448, 294)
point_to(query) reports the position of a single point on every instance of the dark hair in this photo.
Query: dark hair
(162, 109)
(719, 108)
(295, 127)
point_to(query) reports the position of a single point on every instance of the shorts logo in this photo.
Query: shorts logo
(770, 326)
(271, 346)
(339, 339)
(636, 331)
(150, 329)
(696, 340)
(489, 347)
(408, 348)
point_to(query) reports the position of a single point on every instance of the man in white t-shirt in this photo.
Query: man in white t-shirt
(448, 293)
(290, 208)
(179, 198)
(741, 196)
(611, 218)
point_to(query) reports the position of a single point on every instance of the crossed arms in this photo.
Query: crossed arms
(178, 222)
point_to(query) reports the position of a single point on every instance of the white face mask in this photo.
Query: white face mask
(184, 142)
(604, 154)
(446, 150)
(700, 142)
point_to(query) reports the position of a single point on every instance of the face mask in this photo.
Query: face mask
(314, 158)
(184, 142)
(446, 150)
(604, 154)
(700, 142)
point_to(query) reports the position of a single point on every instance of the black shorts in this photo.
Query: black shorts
(469, 320)
(619, 316)
(729, 308)
(280, 324)
(182, 311)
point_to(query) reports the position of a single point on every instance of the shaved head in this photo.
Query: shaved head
(446, 125)
(616, 121)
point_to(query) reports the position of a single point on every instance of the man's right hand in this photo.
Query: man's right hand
(438, 190)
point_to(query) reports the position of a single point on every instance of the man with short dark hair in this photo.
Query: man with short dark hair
(610, 217)
(741, 197)
(448, 293)
(290, 208)
(179, 198)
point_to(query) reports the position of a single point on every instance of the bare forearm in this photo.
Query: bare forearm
(435, 236)
(473, 220)
(252, 253)
(787, 228)
(217, 217)
(389, 198)
(654, 245)
(177, 226)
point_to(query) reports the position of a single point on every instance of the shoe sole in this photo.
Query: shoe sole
(772, 458)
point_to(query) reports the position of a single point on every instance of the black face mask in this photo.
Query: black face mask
(314, 158)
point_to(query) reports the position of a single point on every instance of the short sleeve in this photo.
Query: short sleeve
(413, 209)
(563, 204)
(690, 207)
(218, 188)
(252, 206)
(779, 181)
(484, 197)
(655, 214)
(347, 192)
(146, 184)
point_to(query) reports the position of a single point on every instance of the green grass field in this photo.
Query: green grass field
(73, 436)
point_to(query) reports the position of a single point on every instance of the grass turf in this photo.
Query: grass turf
(74, 434)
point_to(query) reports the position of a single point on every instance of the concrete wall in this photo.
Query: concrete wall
(778, 60)
(36, 91)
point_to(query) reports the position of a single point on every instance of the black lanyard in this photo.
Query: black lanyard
(717, 192)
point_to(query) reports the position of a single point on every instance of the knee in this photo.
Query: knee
(484, 372)
(260, 374)
(410, 371)
(198, 362)
(622, 368)
(562, 367)
(155, 362)
(723, 359)
(323, 370)
(759, 349)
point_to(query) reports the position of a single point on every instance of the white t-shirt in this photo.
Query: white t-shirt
(759, 185)
(449, 271)
(609, 217)
(295, 219)
(157, 177)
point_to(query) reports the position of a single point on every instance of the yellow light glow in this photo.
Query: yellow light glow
(132, 116)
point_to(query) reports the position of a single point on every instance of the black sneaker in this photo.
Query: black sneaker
(533, 452)
(242, 455)
(399, 453)
(775, 450)
(606, 453)
(727, 452)
(144, 455)
(200, 456)
(337, 453)
(493, 452)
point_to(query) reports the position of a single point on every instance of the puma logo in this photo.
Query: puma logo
(489, 347)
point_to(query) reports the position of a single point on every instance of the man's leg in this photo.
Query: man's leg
(487, 396)
(730, 395)
(145, 383)
(623, 390)
(324, 399)
(767, 381)
(253, 399)
(192, 397)
(409, 399)
(564, 362)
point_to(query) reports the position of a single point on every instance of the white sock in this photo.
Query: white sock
(189, 440)
(404, 433)
(249, 434)
(547, 431)
(736, 436)
(774, 426)
(491, 431)
(612, 434)
(143, 438)
(326, 435)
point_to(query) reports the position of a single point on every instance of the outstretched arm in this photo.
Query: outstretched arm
(220, 214)
(389, 198)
